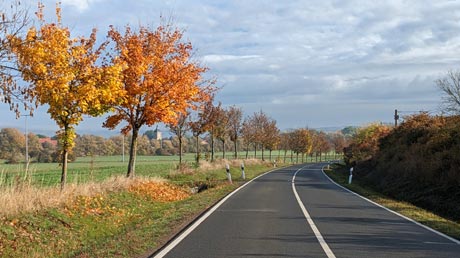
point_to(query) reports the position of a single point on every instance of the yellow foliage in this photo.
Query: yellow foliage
(63, 73)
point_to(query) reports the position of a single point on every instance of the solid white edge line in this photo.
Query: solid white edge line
(394, 212)
(192, 227)
(317, 233)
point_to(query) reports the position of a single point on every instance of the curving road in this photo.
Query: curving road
(298, 212)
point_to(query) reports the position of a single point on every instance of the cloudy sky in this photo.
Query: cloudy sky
(304, 63)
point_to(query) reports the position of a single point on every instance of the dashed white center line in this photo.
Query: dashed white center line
(317, 233)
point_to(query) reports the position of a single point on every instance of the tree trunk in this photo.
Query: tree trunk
(223, 149)
(263, 153)
(285, 153)
(303, 155)
(236, 149)
(132, 153)
(212, 148)
(180, 150)
(297, 158)
(65, 154)
(247, 151)
(255, 150)
(270, 155)
(197, 158)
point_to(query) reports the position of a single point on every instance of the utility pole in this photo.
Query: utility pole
(396, 117)
(27, 140)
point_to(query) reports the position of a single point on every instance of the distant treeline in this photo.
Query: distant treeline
(418, 161)
(293, 144)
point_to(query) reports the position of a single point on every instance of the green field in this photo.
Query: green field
(98, 168)
(89, 169)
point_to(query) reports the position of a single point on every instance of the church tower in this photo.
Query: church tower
(157, 134)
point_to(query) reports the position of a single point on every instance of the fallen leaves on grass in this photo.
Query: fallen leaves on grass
(160, 191)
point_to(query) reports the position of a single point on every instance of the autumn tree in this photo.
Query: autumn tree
(179, 129)
(90, 145)
(285, 143)
(292, 143)
(271, 136)
(234, 116)
(14, 22)
(301, 142)
(221, 126)
(365, 143)
(12, 143)
(201, 123)
(117, 143)
(260, 122)
(339, 142)
(65, 74)
(324, 146)
(33, 145)
(248, 133)
(252, 131)
(212, 122)
(160, 81)
(320, 144)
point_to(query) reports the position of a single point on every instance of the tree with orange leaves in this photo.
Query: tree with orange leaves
(63, 73)
(159, 80)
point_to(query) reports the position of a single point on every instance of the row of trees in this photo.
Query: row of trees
(299, 142)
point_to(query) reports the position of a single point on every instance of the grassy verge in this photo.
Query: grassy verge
(451, 228)
(123, 221)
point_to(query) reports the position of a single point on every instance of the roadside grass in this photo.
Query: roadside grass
(121, 220)
(340, 174)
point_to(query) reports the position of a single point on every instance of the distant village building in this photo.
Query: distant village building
(157, 134)
(48, 140)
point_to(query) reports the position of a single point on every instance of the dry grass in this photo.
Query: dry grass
(21, 196)
(25, 197)
(234, 163)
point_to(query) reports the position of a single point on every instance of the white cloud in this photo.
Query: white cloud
(81, 5)
(223, 58)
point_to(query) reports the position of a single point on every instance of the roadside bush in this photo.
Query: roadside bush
(419, 162)
(365, 143)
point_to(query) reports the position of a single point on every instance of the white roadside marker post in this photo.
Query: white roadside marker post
(351, 175)
(229, 176)
(243, 175)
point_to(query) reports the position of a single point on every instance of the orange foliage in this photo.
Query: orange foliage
(160, 191)
(365, 143)
(159, 80)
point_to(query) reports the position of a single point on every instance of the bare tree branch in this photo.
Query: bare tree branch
(450, 86)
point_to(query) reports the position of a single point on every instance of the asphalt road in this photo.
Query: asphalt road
(278, 215)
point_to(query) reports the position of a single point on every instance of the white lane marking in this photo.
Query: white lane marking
(192, 227)
(318, 235)
(394, 212)
(437, 243)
